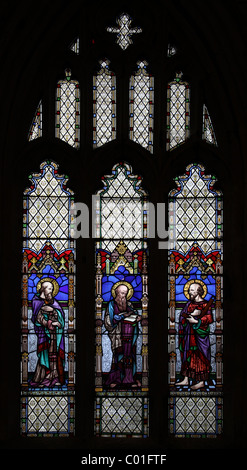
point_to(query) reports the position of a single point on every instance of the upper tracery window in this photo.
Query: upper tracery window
(36, 127)
(104, 105)
(67, 122)
(208, 133)
(141, 106)
(178, 112)
(124, 31)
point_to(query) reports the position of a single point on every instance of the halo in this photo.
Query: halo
(53, 281)
(122, 283)
(195, 281)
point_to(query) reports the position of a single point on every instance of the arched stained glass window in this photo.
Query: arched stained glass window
(208, 133)
(195, 305)
(121, 379)
(141, 106)
(67, 121)
(178, 112)
(36, 127)
(104, 105)
(48, 306)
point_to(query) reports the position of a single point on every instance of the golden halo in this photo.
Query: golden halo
(122, 283)
(195, 281)
(53, 281)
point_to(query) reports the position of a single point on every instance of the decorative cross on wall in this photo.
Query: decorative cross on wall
(124, 32)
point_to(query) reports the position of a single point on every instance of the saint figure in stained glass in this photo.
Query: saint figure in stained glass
(194, 343)
(121, 323)
(48, 318)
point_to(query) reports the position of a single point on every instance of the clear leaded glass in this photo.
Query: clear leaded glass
(171, 50)
(36, 127)
(67, 125)
(104, 105)
(141, 106)
(208, 133)
(75, 46)
(124, 31)
(178, 112)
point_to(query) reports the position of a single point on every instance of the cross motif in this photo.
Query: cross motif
(124, 32)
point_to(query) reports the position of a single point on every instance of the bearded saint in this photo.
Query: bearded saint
(121, 322)
(194, 343)
(48, 318)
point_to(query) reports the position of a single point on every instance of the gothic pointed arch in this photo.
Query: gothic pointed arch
(121, 376)
(195, 305)
(48, 306)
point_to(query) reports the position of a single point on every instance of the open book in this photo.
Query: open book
(131, 318)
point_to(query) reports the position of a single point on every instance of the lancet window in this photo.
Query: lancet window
(141, 106)
(208, 133)
(178, 112)
(67, 118)
(104, 105)
(195, 316)
(48, 307)
(121, 376)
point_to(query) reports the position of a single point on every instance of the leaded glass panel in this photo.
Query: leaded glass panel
(75, 46)
(67, 121)
(208, 133)
(36, 127)
(104, 105)
(121, 379)
(178, 112)
(124, 31)
(141, 106)
(48, 306)
(195, 320)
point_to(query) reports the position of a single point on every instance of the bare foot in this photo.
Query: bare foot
(196, 386)
(184, 382)
(113, 385)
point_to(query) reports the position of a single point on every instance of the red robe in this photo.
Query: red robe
(194, 342)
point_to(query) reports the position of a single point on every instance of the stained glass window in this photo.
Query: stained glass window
(121, 376)
(48, 306)
(67, 121)
(171, 50)
(75, 46)
(178, 112)
(195, 320)
(208, 133)
(104, 105)
(141, 104)
(124, 31)
(36, 127)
